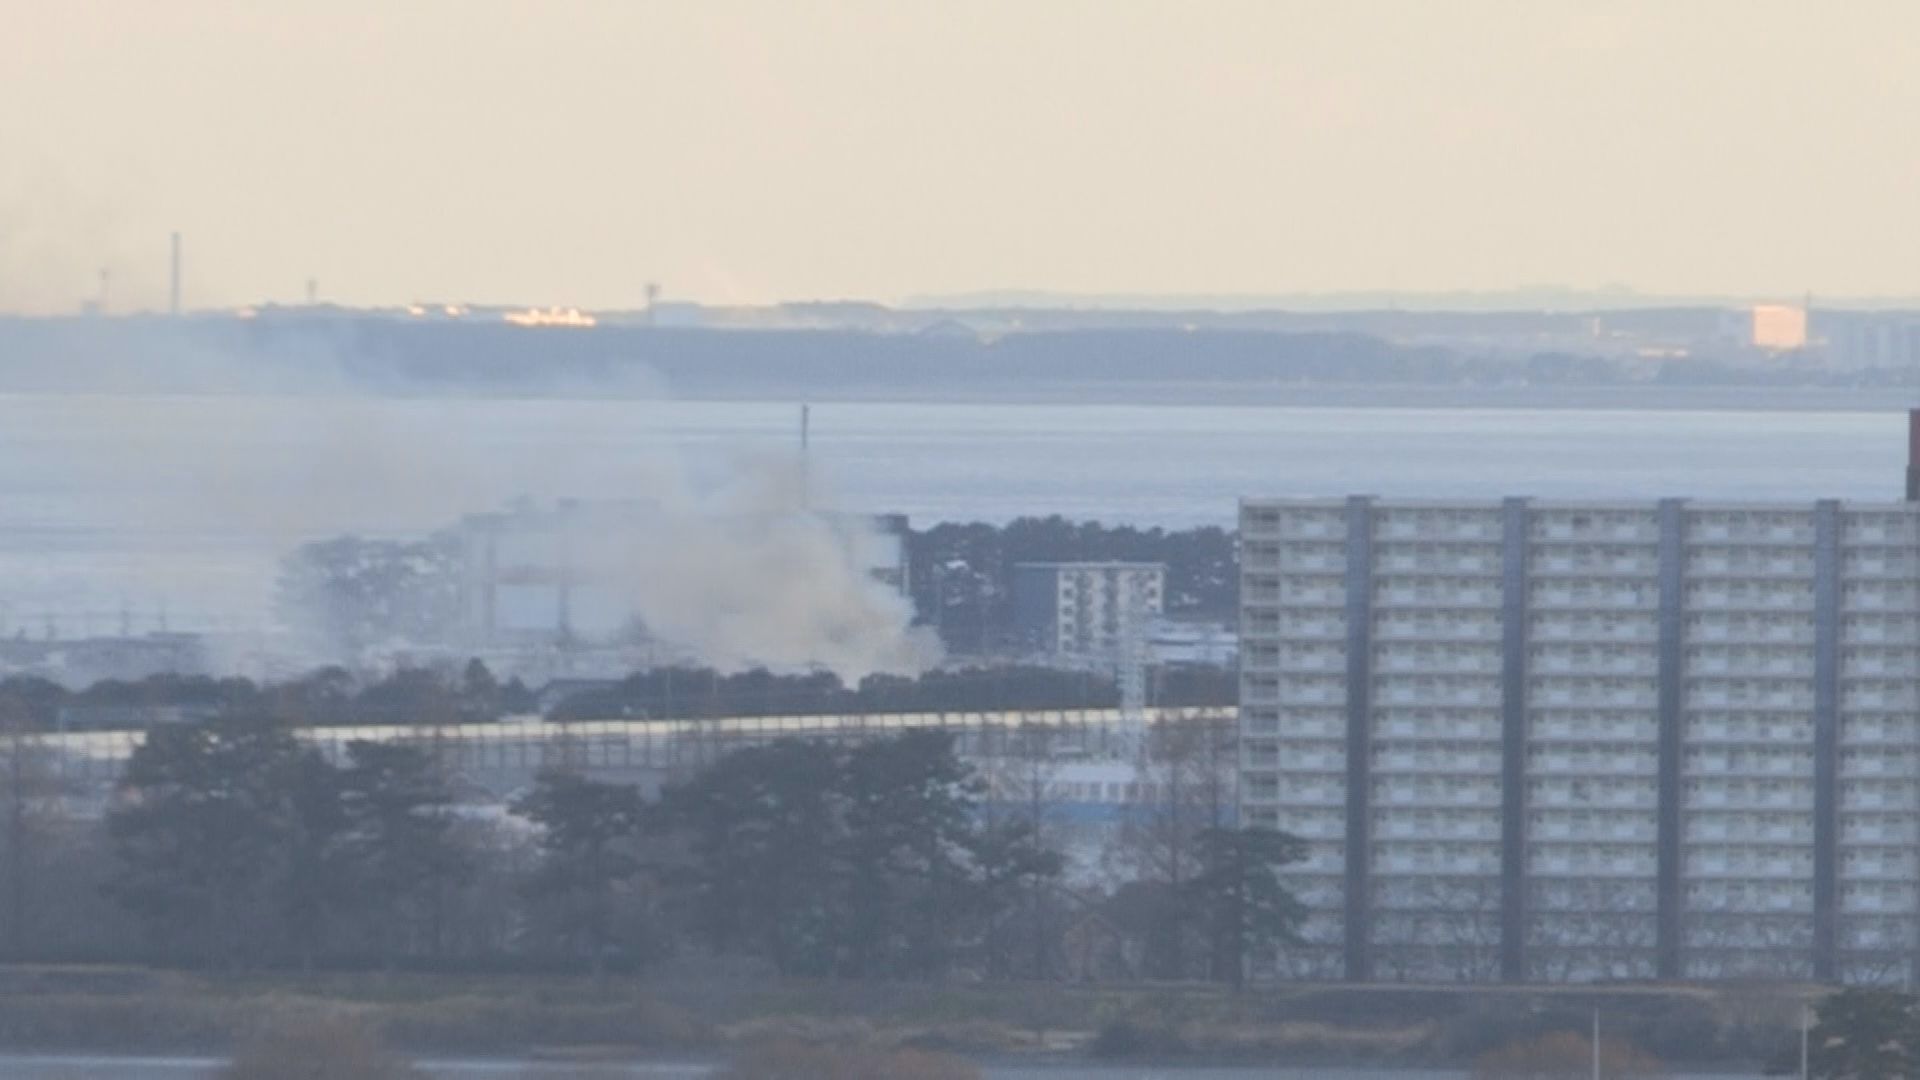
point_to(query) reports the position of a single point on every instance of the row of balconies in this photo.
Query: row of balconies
(1627, 830)
(1546, 565)
(1435, 762)
(1585, 861)
(1557, 526)
(1459, 795)
(1449, 827)
(1632, 630)
(1387, 725)
(1588, 794)
(1602, 728)
(1702, 598)
(1754, 564)
(1798, 631)
(1710, 526)
(1595, 598)
(1727, 828)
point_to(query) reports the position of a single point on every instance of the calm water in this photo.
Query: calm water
(128, 1068)
(111, 504)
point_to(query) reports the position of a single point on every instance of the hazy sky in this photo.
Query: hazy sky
(559, 152)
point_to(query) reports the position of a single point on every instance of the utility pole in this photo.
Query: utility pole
(1596, 1044)
(1806, 1026)
(16, 832)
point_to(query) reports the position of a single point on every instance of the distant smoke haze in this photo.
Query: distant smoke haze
(734, 565)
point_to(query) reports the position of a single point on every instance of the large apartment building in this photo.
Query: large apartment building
(1533, 740)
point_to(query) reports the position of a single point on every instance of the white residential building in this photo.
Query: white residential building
(1086, 609)
(1538, 740)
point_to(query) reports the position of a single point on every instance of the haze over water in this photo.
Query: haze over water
(188, 501)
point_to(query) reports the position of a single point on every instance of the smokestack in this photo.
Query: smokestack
(1913, 455)
(173, 280)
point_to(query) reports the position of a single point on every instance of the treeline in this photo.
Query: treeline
(235, 845)
(962, 574)
(703, 692)
(331, 697)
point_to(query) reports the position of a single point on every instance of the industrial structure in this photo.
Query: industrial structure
(1532, 740)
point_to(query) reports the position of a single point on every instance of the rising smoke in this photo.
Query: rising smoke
(199, 495)
(752, 575)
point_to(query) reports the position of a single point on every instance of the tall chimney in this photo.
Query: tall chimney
(1913, 455)
(173, 281)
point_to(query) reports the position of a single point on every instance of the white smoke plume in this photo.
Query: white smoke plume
(198, 495)
(752, 576)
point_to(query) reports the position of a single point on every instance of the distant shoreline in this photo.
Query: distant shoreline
(1130, 393)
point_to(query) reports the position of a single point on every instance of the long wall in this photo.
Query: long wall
(1545, 741)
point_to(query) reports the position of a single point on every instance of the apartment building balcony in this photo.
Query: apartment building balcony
(1398, 662)
(1547, 564)
(1434, 598)
(1748, 567)
(1576, 861)
(1892, 531)
(1574, 793)
(1617, 731)
(1558, 828)
(1454, 797)
(1396, 763)
(1732, 829)
(1472, 728)
(1745, 665)
(1714, 865)
(1799, 535)
(1430, 528)
(1547, 530)
(1616, 697)
(1559, 598)
(1795, 696)
(1876, 568)
(1799, 633)
(1483, 632)
(1751, 801)
(1300, 630)
(1877, 599)
(1639, 632)
(1476, 564)
(1556, 663)
(1892, 764)
(1888, 699)
(1752, 603)
(1896, 632)
(1392, 693)
(1591, 764)
(1397, 826)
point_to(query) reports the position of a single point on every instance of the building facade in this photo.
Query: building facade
(1542, 741)
(1086, 609)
